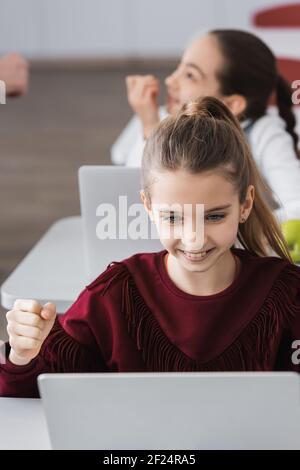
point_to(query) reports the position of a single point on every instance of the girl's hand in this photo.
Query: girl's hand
(142, 93)
(29, 324)
(14, 71)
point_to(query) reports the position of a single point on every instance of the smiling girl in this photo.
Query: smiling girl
(199, 305)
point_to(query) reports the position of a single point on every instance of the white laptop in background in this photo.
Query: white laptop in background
(99, 185)
(172, 410)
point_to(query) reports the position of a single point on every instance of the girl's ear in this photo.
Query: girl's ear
(145, 201)
(236, 103)
(247, 205)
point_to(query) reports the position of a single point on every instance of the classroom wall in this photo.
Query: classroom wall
(115, 28)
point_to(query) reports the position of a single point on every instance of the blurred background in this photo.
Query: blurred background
(80, 52)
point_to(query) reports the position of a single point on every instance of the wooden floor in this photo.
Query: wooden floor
(69, 118)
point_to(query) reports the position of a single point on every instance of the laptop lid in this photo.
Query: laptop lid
(172, 410)
(115, 224)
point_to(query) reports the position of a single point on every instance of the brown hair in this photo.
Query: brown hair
(251, 70)
(206, 136)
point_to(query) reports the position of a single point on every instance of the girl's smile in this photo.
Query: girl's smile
(196, 257)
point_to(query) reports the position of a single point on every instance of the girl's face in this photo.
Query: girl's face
(178, 228)
(196, 74)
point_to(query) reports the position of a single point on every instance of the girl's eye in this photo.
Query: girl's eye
(190, 76)
(172, 219)
(215, 217)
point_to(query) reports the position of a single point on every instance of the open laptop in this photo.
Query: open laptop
(107, 194)
(172, 410)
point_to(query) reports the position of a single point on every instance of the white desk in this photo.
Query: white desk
(22, 424)
(53, 270)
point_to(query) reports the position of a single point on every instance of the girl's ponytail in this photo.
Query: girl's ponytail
(284, 104)
(261, 231)
(208, 107)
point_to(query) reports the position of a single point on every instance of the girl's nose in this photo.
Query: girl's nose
(194, 239)
(170, 80)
